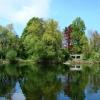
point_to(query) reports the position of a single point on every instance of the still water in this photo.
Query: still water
(52, 82)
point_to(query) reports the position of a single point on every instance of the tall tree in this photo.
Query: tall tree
(8, 41)
(95, 41)
(31, 36)
(35, 26)
(42, 40)
(52, 39)
(78, 35)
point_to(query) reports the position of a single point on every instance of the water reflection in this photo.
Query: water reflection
(41, 84)
(17, 93)
(53, 82)
(76, 67)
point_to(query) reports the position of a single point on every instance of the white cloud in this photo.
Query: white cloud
(20, 11)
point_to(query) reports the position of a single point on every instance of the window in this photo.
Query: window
(78, 66)
(73, 57)
(78, 57)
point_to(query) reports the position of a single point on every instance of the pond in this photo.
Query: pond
(49, 82)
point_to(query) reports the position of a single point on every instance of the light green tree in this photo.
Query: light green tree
(31, 36)
(8, 40)
(78, 35)
(42, 40)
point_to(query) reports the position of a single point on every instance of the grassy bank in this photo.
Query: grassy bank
(82, 62)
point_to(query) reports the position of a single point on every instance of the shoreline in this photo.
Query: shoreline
(70, 62)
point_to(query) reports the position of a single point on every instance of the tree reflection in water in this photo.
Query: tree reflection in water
(42, 82)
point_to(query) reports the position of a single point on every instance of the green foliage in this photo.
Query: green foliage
(11, 55)
(78, 35)
(95, 55)
(42, 40)
(78, 26)
(65, 54)
(95, 41)
(8, 40)
(92, 50)
(32, 36)
(35, 26)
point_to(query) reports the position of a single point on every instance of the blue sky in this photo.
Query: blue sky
(19, 12)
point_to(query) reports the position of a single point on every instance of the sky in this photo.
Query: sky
(19, 12)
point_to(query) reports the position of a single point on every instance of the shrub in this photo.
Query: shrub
(11, 55)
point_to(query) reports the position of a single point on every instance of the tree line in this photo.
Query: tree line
(42, 41)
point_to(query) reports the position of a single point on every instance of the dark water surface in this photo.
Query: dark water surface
(52, 82)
